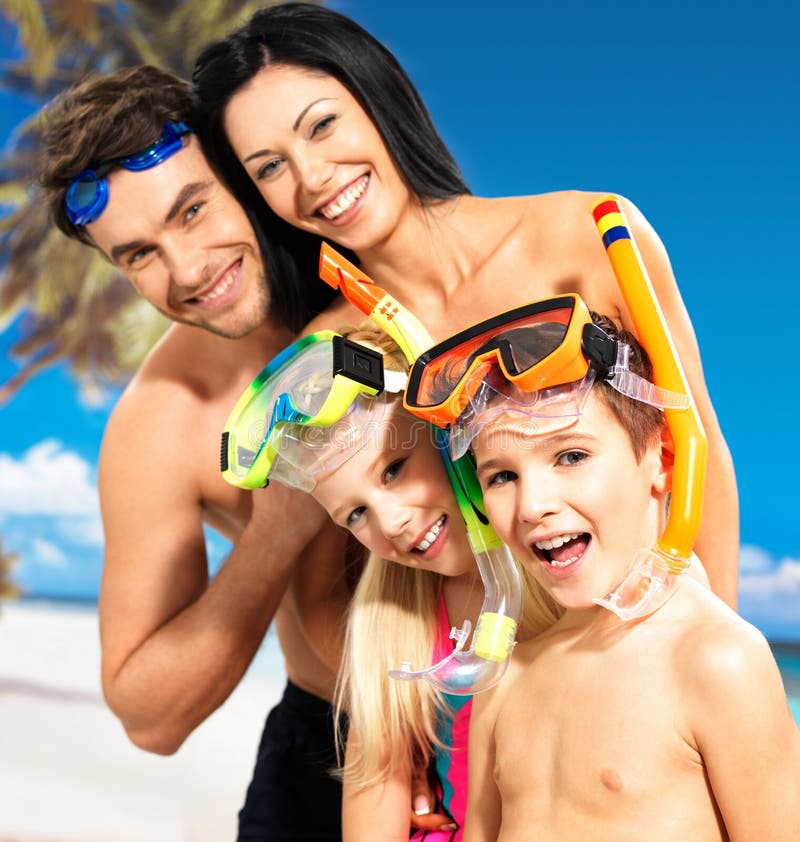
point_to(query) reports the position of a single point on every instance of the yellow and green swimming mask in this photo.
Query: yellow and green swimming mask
(309, 410)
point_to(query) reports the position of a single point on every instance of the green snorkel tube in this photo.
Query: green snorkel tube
(464, 671)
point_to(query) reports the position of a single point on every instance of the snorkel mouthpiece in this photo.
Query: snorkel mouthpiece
(481, 666)
(484, 663)
(462, 672)
(655, 573)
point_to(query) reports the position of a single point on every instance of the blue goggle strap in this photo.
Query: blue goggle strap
(87, 196)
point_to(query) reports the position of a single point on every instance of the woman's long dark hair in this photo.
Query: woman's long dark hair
(290, 255)
(309, 36)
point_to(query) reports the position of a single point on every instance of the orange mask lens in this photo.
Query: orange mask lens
(516, 346)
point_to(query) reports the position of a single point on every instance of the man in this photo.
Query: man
(122, 171)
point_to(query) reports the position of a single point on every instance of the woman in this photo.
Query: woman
(321, 118)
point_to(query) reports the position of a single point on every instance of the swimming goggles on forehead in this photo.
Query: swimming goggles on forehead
(539, 360)
(306, 413)
(87, 196)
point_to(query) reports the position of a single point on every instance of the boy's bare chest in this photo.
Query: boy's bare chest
(582, 739)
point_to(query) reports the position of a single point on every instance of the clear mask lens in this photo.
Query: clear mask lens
(527, 413)
(306, 380)
(304, 453)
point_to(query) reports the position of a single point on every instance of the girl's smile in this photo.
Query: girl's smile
(398, 501)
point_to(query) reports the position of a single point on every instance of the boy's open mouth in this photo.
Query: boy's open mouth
(562, 550)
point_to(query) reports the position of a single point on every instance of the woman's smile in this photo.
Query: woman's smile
(316, 157)
(339, 208)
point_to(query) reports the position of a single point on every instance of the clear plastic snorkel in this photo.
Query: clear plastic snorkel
(464, 671)
(656, 572)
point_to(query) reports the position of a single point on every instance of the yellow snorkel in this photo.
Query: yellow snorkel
(655, 574)
(482, 666)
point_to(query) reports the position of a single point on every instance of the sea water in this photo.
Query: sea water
(787, 656)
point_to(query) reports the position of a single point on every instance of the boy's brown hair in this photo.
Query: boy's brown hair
(642, 422)
(102, 118)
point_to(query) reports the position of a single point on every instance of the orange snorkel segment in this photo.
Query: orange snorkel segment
(339, 273)
(688, 483)
(363, 293)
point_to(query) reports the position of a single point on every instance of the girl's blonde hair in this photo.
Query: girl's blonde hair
(393, 617)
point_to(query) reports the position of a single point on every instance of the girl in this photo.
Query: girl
(379, 474)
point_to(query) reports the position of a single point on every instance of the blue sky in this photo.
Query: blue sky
(690, 110)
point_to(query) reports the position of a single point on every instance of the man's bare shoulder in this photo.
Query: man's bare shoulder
(189, 380)
(198, 359)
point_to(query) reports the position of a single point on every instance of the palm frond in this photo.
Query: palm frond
(8, 589)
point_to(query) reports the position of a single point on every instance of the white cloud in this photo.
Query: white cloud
(754, 560)
(769, 590)
(47, 553)
(86, 531)
(47, 480)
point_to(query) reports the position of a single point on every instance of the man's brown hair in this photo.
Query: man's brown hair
(102, 118)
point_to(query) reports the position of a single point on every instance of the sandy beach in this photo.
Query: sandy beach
(67, 770)
(69, 774)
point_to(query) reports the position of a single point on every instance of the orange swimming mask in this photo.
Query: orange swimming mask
(539, 360)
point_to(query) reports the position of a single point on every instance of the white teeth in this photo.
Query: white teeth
(346, 199)
(556, 541)
(431, 535)
(218, 289)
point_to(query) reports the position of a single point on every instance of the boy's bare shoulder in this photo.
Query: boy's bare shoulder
(717, 652)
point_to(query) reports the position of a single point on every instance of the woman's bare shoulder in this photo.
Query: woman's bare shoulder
(339, 315)
(563, 210)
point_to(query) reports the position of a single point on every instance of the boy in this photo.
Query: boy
(673, 726)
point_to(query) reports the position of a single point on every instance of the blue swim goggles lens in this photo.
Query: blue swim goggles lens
(87, 196)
